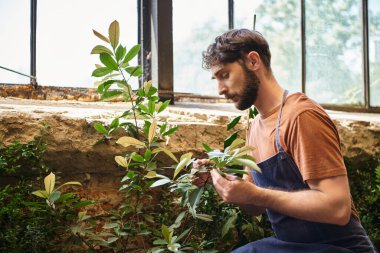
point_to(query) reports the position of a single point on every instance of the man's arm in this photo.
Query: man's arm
(250, 208)
(327, 201)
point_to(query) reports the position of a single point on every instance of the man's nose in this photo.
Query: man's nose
(222, 88)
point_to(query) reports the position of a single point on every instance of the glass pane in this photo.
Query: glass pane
(193, 30)
(334, 65)
(374, 51)
(279, 22)
(65, 38)
(15, 40)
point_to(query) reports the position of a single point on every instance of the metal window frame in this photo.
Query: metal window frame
(155, 26)
(365, 54)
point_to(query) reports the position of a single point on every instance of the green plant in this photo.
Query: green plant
(366, 196)
(24, 159)
(63, 208)
(140, 222)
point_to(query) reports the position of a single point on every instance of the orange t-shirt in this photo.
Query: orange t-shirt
(306, 133)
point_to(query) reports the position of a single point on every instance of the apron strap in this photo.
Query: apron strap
(278, 144)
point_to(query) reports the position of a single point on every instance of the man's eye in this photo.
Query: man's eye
(225, 75)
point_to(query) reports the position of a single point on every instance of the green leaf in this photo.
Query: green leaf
(100, 128)
(132, 53)
(152, 91)
(230, 139)
(101, 71)
(246, 150)
(160, 242)
(99, 49)
(166, 151)
(100, 36)
(111, 95)
(163, 128)
(103, 87)
(247, 163)
(153, 174)
(108, 61)
(183, 162)
(54, 196)
(174, 247)
(147, 155)
(182, 235)
(163, 106)
(237, 142)
(233, 122)
(64, 197)
(113, 33)
(204, 217)
(160, 182)
(230, 224)
(195, 197)
(110, 225)
(134, 70)
(41, 193)
(170, 131)
(166, 233)
(253, 113)
(206, 147)
(178, 220)
(151, 106)
(112, 240)
(143, 108)
(114, 123)
(120, 52)
(137, 158)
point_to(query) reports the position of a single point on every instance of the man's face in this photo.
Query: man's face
(237, 82)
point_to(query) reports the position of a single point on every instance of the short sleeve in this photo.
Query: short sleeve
(315, 146)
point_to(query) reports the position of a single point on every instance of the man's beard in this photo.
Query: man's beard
(249, 94)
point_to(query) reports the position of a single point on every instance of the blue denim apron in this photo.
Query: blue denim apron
(294, 235)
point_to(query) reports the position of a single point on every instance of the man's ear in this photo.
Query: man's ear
(254, 60)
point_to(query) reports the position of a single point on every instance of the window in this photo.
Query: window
(279, 22)
(334, 65)
(65, 38)
(14, 42)
(374, 51)
(194, 28)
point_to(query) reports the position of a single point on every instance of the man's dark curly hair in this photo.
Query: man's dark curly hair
(234, 45)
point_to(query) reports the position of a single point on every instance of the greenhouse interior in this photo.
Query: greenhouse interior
(190, 126)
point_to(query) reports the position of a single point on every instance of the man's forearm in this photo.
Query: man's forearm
(311, 205)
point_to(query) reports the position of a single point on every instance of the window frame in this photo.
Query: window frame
(151, 17)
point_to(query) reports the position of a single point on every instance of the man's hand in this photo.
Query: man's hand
(234, 190)
(201, 172)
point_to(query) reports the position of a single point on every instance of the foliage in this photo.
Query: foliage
(367, 196)
(179, 222)
(27, 224)
(23, 159)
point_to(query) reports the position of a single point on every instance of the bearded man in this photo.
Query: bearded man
(303, 185)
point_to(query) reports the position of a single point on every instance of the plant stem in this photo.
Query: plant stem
(129, 92)
(130, 95)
